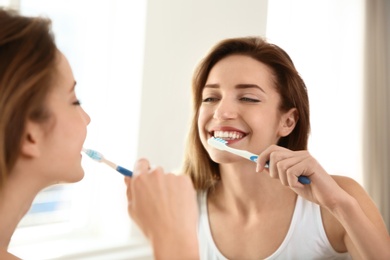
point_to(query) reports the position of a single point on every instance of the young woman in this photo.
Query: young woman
(248, 92)
(42, 131)
(42, 126)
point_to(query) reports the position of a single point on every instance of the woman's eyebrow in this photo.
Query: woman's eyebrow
(211, 86)
(238, 86)
(245, 86)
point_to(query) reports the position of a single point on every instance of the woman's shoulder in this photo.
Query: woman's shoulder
(361, 196)
(357, 192)
(4, 255)
(352, 187)
(333, 227)
(344, 181)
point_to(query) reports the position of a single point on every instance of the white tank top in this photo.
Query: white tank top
(305, 239)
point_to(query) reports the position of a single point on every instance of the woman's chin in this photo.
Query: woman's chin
(75, 177)
(225, 158)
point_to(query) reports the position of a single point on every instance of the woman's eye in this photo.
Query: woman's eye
(77, 103)
(209, 99)
(246, 99)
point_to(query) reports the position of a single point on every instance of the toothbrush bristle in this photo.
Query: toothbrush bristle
(220, 140)
(93, 154)
(218, 143)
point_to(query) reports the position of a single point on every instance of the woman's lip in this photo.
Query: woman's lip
(226, 128)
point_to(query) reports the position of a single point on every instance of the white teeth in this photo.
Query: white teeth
(231, 135)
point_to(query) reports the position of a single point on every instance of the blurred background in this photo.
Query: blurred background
(133, 62)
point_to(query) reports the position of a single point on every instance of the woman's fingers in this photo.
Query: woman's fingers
(128, 190)
(164, 196)
(284, 164)
(141, 166)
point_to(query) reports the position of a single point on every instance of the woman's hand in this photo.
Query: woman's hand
(164, 207)
(288, 165)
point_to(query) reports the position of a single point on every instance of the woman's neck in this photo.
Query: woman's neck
(15, 201)
(245, 191)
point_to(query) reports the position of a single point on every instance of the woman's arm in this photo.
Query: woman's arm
(365, 236)
(164, 207)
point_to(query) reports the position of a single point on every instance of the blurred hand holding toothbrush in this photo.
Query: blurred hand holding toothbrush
(152, 193)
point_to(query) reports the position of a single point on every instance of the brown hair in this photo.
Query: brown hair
(27, 64)
(197, 163)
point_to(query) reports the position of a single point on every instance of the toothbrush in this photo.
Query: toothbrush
(221, 144)
(100, 158)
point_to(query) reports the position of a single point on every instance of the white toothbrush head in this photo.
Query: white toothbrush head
(218, 143)
(93, 154)
(221, 144)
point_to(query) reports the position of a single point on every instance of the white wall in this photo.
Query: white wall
(178, 34)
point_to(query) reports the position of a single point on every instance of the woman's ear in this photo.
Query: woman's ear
(288, 122)
(31, 139)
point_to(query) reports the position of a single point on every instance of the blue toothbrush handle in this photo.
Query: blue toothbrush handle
(302, 179)
(124, 171)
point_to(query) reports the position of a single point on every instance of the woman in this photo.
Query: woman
(42, 131)
(248, 92)
(42, 126)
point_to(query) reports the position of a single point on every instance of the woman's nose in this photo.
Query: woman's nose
(86, 117)
(225, 111)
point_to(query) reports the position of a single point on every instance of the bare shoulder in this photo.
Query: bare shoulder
(334, 230)
(4, 255)
(348, 184)
(357, 191)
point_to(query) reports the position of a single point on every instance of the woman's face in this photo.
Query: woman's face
(239, 104)
(66, 129)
